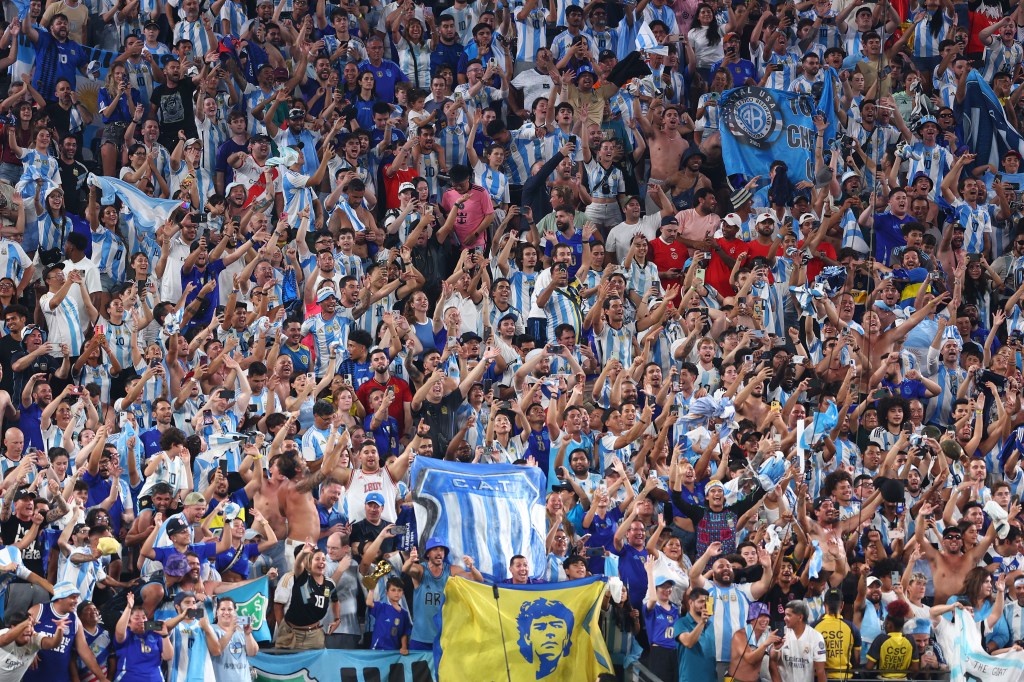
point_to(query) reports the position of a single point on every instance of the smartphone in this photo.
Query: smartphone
(709, 606)
(153, 625)
(251, 438)
(154, 362)
(973, 257)
(894, 576)
(195, 613)
(699, 275)
(748, 359)
(391, 390)
(798, 359)
(555, 348)
(756, 333)
(222, 464)
(594, 552)
(207, 417)
(399, 530)
(243, 620)
(880, 394)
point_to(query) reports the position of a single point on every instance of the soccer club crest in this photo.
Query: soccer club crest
(753, 116)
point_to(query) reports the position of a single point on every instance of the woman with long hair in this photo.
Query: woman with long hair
(706, 40)
(349, 84)
(984, 593)
(366, 99)
(52, 222)
(668, 552)
(892, 412)
(142, 170)
(116, 104)
(350, 412)
(110, 251)
(980, 283)
(932, 25)
(426, 329)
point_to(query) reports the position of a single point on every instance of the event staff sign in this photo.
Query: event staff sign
(762, 125)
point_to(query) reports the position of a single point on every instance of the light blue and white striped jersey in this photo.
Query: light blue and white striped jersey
(374, 315)
(522, 287)
(84, 576)
(414, 60)
(202, 177)
(608, 39)
(39, 165)
(349, 265)
(780, 79)
(999, 57)
(99, 375)
(941, 406)
(63, 322)
(731, 604)
(976, 222)
(120, 338)
(523, 151)
(429, 167)
(452, 140)
(141, 77)
(532, 32)
(109, 254)
(494, 181)
(564, 308)
(13, 260)
(465, 20)
(642, 277)
(314, 443)
(561, 43)
(297, 196)
(926, 44)
(194, 32)
(710, 117)
(235, 15)
(253, 97)
(665, 13)
(828, 33)
(223, 423)
(325, 334)
(191, 661)
(615, 343)
(213, 135)
(604, 183)
(934, 162)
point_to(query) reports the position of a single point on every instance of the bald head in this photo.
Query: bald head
(14, 441)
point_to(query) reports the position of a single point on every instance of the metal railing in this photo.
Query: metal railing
(639, 673)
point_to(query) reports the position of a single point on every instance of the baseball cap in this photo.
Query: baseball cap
(663, 580)
(55, 266)
(733, 219)
(1013, 152)
(807, 216)
(606, 54)
(231, 186)
(470, 336)
(231, 511)
(872, 580)
(64, 589)
(324, 294)
(296, 113)
(175, 526)
(406, 187)
(847, 176)
(766, 217)
(281, 74)
(925, 120)
(197, 498)
(375, 498)
(191, 141)
(24, 495)
(151, 24)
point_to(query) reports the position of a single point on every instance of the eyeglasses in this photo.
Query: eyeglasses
(945, 115)
(954, 537)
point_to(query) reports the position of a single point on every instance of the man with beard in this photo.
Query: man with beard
(352, 213)
(701, 221)
(160, 499)
(250, 168)
(172, 104)
(1010, 265)
(731, 601)
(913, 236)
(72, 175)
(828, 530)
(436, 402)
(949, 564)
(869, 612)
(371, 477)
(57, 56)
(351, 159)
(163, 418)
(668, 253)
(428, 581)
(887, 226)
(383, 380)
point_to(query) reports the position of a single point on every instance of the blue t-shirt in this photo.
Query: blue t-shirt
(151, 442)
(54, 61)
(602, 534)
(741, 71)
(99, 489)
(246, 554)
(385, 436)
(387, 75)
(198, 279)
(888, 235)
(140, 654)
(203, 550)
(660, 623)
(576, 242)
(633, 573)
(389, 626)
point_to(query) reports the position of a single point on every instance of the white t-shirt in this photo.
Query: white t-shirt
(15, 659)
(622, 234)
(533, 85)
(799, 654)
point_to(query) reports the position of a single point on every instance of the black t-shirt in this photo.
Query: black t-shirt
(12, 531)
(435, 261)
(440, 417)
(364, 532)
(45, 364)
(72, 179)
(8, 347)
(310, 600)
(175, 111)
(777, 598)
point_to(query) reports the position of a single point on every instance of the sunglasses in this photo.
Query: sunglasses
(954, 537)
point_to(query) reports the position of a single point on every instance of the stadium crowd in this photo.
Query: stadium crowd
(503, 233)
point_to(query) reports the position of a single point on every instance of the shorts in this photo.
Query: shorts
(287, 637)
(289, 552)
(113, 133)
(604, 215)
(107, 282)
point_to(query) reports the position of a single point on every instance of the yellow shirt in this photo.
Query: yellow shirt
(842, 642)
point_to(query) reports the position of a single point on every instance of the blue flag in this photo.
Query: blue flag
(252, 600)
(762, 125)
(490, 512)
(987, 133)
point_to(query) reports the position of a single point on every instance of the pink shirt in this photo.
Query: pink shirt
(472, 213)
(694, 226)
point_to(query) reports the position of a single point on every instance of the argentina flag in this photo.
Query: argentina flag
(489, 512)
(987, 133)
(148, 213)
(853, 236)
(763, 125)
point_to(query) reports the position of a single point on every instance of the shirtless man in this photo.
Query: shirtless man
(828, 530)
(666, 147)
(950, 563)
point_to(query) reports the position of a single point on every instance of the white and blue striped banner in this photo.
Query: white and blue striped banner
(490, 512)
(968, 660)
(149, 213)
(987, 133)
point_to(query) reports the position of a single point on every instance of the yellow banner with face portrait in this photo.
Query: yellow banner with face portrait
(519, 633)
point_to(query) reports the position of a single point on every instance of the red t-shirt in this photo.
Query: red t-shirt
(755, 249)
(391, 184)
(402, 396)
(717, 274)
(815, 265)
(667, 257)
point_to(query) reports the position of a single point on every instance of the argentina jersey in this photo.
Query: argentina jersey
(934, 162)
(453, 141)
(926, 43)
(532, 31)
(976, 221)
